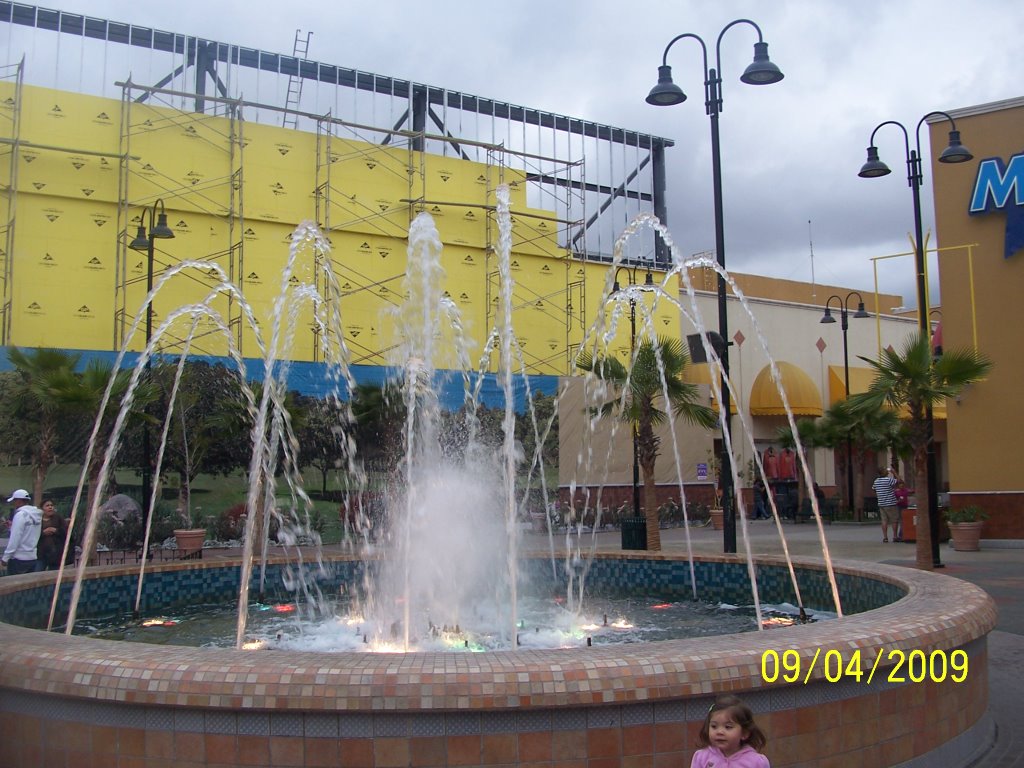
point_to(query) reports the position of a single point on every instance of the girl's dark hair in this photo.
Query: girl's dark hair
(744, 718)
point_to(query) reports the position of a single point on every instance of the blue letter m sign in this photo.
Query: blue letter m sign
(1000, 186)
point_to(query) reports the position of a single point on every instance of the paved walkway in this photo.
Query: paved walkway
(999, 570)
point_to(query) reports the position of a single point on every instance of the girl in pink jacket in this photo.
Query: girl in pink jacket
(730, 737)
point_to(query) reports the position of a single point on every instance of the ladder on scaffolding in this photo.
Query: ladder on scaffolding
(291, 102)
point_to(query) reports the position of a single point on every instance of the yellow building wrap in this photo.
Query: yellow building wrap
(90, 170)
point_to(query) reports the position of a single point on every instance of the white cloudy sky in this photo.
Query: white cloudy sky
(791, 151)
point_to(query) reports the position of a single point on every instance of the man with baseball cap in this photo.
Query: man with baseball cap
(20, 555)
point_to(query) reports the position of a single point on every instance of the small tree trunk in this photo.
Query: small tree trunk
(924, 529)
(184, 498)
(651, 510)
(41, 466)
(94, 486)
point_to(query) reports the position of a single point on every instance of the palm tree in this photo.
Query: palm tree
(41, 403)
(911, 379)
(647, 387)
(867, 432)
(812, 434)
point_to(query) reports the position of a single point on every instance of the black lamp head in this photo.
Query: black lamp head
(761, 71)
(161, 230)
(141, 242)
(827, 317)
(873, 167)
(615, 287)
(955, 152)
(861, 312)
(665, 93)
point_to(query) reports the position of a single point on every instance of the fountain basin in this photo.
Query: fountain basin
(634, 704)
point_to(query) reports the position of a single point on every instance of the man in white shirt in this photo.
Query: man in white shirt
(20, 555)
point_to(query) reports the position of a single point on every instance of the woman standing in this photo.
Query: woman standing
(51, 540)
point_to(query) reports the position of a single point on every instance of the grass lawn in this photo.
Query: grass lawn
(212, 494)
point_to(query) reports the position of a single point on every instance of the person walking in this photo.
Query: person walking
(888, 511)
(20, 555)
(760, 501)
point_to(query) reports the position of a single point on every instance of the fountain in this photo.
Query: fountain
(640, 702)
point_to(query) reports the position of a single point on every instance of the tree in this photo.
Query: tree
(641, 391)
(911, 379)
(19, 435)
(323, 439)
(84, 395)
(41, 403)
(866, 433)
(203, 437)
(379, 412)
(812, 435)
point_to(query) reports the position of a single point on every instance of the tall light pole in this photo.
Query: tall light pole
(144, 241)
(844, 307)
(648, 281)
(666, 93)
(955, 152)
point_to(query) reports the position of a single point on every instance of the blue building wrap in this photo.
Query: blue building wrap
(313, 380)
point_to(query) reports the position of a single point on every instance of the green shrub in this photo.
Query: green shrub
(972, 513)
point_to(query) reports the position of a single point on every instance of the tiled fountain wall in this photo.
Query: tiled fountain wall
(630, 705)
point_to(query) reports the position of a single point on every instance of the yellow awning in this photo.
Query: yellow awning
(860, 380)
(803, 396)
(700, 373)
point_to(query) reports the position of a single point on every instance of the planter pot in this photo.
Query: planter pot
(190, 540)
(966, 536)
(717, 518)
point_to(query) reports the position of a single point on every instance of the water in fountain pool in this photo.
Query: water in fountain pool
(543, 623)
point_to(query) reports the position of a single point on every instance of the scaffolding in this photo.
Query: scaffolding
(357, 136)
(10, 115)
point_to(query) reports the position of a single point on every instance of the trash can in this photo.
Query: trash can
(909, 515)
(634, 533)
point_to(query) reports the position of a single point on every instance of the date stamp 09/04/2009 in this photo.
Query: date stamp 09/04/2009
(900, 666)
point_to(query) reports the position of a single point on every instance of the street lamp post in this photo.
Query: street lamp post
(648, 282)
(145, 241)
(666, 93)
(955, 152)
(844, 324)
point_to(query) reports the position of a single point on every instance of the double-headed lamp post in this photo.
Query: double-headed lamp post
(665, 94)
(648, 282)
(844, 324)
(144, 241)
(955, 152)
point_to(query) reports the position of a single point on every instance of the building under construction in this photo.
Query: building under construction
(86, 152)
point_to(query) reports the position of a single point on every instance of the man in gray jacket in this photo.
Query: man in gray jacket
(20, 555)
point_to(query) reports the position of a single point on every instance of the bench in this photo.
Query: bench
(826, 508)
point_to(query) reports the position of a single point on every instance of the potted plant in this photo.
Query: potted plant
(716, 512)
(965, 527)
(190, 536)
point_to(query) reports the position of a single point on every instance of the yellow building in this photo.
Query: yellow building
(84, 173)
(979, 207)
